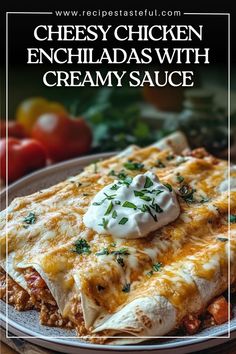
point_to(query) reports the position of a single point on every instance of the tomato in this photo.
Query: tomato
(164, 98)
(15, 129)
(62, 136)
(23, 156)
(219, 309)
(30, 109)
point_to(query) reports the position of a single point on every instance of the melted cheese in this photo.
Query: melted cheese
(187, 249)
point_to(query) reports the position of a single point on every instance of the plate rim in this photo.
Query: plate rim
(82, 162)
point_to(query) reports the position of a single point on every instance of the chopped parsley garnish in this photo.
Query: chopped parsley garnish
(170, 157)
(117, 202)
(114, 187)
(155, 268)
(117, 253)
(127, 181)
(204, 199)
(123, 221)
(148, 182)
(168, 186)
(109, 209)
(126, 288)
(82, 246)
(30, 219)
(160, 164)
(127, 204)
(122, 251)
(111, 173)
(120, 261)
(104, 251)
(122, 175)
(133, 165)
(179, 178)
(222, 239)
(186, 193)
(232, 219)
(104, 223)
(114, 214)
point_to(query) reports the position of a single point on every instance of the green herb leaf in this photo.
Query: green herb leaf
(128, 204)
(138, 193)
(170, 157)
(114, 214)
(30, 219)
(157, 266)
(99, 203)
(146, 198)
(104, 251)
(204, 199)
(123, 221)
(127, 181)
(222, 239)
(133, 166)
(110, 197)
(104, 223)
(82, 246)
(122, 251)
(187, 193)
(160, 164)
(167, 185)
(232, 218)
(118, 202)
(156, 207)
(114, 187)
(146, 208)
(179, 178)
(120, 261)
(148, 182)
(126, 288)
(109, 209)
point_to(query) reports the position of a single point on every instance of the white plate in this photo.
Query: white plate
(26, 324)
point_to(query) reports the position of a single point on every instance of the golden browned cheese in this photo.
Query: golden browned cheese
(199, 236)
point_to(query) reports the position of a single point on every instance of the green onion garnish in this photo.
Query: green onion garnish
(109, 209)
(123, 221)
(127, 204)
(148, 182)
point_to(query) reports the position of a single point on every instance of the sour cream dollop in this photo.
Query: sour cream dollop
(132, 208)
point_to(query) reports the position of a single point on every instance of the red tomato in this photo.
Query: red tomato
(62, 136)
(219, 309)
(23, 156)
(15, 129)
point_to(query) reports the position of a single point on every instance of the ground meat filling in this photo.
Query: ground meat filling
(17, 296)
(44, 301)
